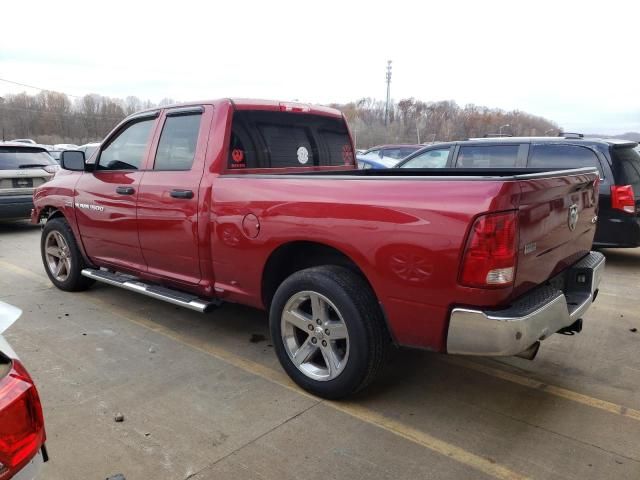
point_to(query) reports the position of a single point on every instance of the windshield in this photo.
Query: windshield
(626, 167)
(13, 158)
(399, 153)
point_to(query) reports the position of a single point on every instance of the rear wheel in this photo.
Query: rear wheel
(328, 331)
(61, 257)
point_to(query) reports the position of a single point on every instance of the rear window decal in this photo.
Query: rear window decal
(237, 155)
(303, 155)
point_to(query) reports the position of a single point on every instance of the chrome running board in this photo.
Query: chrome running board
(129, 282)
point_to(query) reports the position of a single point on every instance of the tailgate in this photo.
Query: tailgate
(557, 222)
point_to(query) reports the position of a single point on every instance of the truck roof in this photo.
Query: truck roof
(257, 104)
(586, 139)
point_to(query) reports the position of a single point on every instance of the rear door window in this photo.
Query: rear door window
(563, 156)
(178, 141)
(283, 140)
(487, 156)
(429, 159)
(14, 158)
(626, 167)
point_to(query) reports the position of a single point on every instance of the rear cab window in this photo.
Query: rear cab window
(563, 156)
(626, 167)
(277, 140)
(488, 156)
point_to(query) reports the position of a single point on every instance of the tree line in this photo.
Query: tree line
(52, 117)
(415, 121)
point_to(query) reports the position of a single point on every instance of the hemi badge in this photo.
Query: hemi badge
(530, 247)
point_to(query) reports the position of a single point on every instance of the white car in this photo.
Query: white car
(89, 149)
(22, 435)
(65, 146)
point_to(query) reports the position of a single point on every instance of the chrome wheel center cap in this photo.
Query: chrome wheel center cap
(319, 332)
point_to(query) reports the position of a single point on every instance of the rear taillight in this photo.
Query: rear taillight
(622, 198)
(21, 422)
(51, 168)
(491, 252)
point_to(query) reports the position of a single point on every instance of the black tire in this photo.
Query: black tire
(74, 281)
(368, 338)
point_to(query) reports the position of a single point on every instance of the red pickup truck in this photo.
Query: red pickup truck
(261, 203)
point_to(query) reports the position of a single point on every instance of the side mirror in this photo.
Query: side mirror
(72, 160)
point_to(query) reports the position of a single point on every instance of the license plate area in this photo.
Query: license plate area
(22, 182)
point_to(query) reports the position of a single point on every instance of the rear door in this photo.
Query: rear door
(105, 202)
(167, 211)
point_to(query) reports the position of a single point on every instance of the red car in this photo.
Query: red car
(22, 435)
(261, 203)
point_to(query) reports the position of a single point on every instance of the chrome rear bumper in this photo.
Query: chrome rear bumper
(530, 318)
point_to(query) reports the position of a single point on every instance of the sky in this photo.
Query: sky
(573, 62)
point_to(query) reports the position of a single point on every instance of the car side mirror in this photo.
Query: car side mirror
(72, 160)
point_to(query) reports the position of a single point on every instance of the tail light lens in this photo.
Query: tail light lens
(51, 168)
(622, 198)
(21, 422)
(491, 252)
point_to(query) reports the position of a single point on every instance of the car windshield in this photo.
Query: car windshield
(626, 166)
(13, 158)
(399, 153)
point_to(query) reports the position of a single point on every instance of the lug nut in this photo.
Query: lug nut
(318, 321)
(326, 332)
(314, 340)
(324, 343)
(310, 327)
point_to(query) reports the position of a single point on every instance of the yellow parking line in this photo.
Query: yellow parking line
(359, 412)
(489, 467)
(23, 272)
(550, 389)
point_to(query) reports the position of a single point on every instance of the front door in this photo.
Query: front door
(105, 202)
(168, 215)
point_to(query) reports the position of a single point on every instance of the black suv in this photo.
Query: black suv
(617, 161)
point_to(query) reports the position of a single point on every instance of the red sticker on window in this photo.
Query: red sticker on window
(237, 155)
(347, 155)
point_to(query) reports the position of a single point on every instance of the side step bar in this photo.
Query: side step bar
(129, 282)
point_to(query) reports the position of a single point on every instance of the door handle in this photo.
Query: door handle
(125, 190)
(181, 193)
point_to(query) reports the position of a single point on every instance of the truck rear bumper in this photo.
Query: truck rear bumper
(532, 317)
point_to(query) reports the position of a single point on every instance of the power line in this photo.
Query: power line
(64, 114)
(37, 88)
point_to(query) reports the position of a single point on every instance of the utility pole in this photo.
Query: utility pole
(386, 110)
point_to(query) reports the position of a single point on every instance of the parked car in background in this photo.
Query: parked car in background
(22, 432)
(65, 146)
(55, 154)
(23, 167)
(385, 156)
(260, 203)
(618, 162)
(89, 149)
(24, 140)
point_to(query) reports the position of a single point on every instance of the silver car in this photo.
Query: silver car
(23, 167)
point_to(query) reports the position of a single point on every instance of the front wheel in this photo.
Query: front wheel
(61, 257)
(328, 331)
